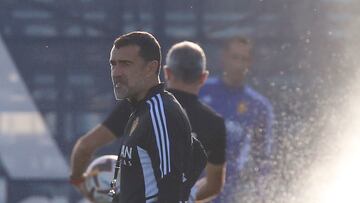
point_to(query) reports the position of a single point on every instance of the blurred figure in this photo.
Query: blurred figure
(185, 73)
(248, 117)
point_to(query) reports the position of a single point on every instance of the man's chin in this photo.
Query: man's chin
(119, 96)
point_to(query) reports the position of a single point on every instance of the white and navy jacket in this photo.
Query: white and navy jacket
(154, 151)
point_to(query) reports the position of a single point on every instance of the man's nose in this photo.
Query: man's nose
(117, 71)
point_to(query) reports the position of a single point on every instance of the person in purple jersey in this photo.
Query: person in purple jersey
(249, 118)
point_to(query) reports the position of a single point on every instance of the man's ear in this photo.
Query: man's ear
(167, 73)
(204, 76)
(152, 67)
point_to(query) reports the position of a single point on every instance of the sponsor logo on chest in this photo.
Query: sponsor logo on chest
(126, 155)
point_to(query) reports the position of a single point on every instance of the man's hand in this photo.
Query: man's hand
(211, 185)
(82, 152)
(79, 184)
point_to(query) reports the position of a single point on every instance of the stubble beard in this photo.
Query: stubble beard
(121, 92)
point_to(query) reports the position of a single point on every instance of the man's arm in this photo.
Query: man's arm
(263, 143)
(84, 149)
(262, 151)
(211, 185)
(169, 148)
(98, 137)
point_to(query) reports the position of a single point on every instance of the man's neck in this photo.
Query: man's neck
(141, 95)
(233, 82)
(189, 88)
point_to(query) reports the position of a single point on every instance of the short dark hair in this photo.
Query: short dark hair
(187, 60)
(149, 47)
(237, 39)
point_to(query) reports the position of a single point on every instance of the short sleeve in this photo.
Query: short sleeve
(118, 118)
(216, 153)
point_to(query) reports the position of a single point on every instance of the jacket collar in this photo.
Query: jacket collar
(182, 94)
(159, 88)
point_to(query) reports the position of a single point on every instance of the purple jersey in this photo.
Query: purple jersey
(248, 118)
